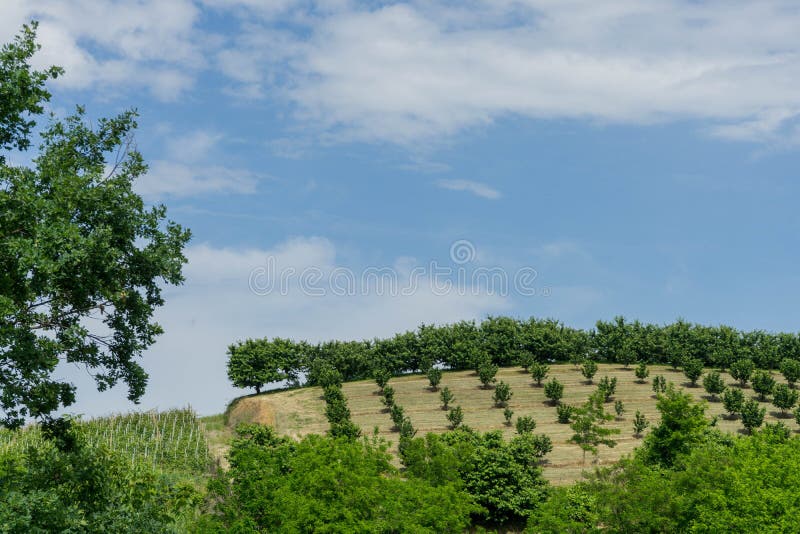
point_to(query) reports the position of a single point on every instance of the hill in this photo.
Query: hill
(298, 412)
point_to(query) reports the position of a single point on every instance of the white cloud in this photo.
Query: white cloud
(169, 178)
(476, 188)
(216, 307)
(411, 72)
(118, 45)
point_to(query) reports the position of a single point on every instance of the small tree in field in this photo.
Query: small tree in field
(502, 394)
(434, 377)
(784, 398)
(539, 372)
(486, 374)
(639, 423)
(790, 369)
(589, 428)
(397, 414)
(564, 412)
(508, 413)
(659, 384)
(588, 370)
(388, 396)
(742, 370)
(763, 384)
(797, 415)
(627, 356)
(619, 408)
(752, 415)
(732, 401)
(446, 396)
(525, 424)
(456, 417)
(526, 360)
(554, 390)
(714, 384)
(607, 387)
(641, 372)
(692, 369)
(382, 377)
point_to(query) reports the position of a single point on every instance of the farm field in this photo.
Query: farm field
(299, 412)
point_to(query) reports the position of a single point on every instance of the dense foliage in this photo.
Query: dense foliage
(83, 261)
(325, 484)
(532, 343)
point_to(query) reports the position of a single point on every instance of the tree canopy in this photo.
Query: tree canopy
(83, 259)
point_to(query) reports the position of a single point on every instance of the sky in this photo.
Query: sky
(352, 169)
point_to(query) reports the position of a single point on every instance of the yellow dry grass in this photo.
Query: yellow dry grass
(301, 411)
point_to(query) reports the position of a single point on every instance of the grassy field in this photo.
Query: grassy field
(301, 411)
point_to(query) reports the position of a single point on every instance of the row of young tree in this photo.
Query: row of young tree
(504, 341)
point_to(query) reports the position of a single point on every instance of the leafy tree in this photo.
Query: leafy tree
(83, 262)
(714, 384)
(742, 370)
(763, 384)
(446, 396)
(784, 398)
(526, 360)
(588, 426)
(322, 484)
(255, 363)
(554, 390)
(486, 374)
(564, 413)
(388, 396)
(502, 394)
(752, 415)
(327, 375)
(508, 414)
(607, 387)
(525, 424)
(732, 401)
(539, 372)
(790, 369)
(619, 408)
(797, 415)
(659, 384)
(693, 369)
(639, 423)
(456, 417)
(382, 377)
(627, 355)
(434, 377)
(683, 425)
(641, 372)
(397, 414)
(589, 369)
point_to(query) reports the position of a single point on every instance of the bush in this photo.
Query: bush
(434, 377)
(446, 396)
(388, 396)
(752, 415)
(639, 423)
(641, 372)
(659, 384)
(456, 417)
(564, 412)
(588, 370)
(607, 387)
(714, 384)
(502, 394)
(554, 390)
(692, 369)
(525, 424)
(382, 377)
(790, 369)
(763, 384)
(619, 408)
(486, 374)
(397, 414)
(539, 372)
(508, 414)
(742, 370)
(732, 401)
(784, 398)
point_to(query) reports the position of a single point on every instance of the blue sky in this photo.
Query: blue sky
(639, 156)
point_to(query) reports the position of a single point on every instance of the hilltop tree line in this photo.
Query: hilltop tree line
(505, 341)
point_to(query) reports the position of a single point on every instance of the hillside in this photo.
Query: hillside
(301, 411)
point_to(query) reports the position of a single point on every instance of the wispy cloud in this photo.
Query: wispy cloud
(476, 188)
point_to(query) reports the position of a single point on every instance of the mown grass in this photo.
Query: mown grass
(301, 411)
